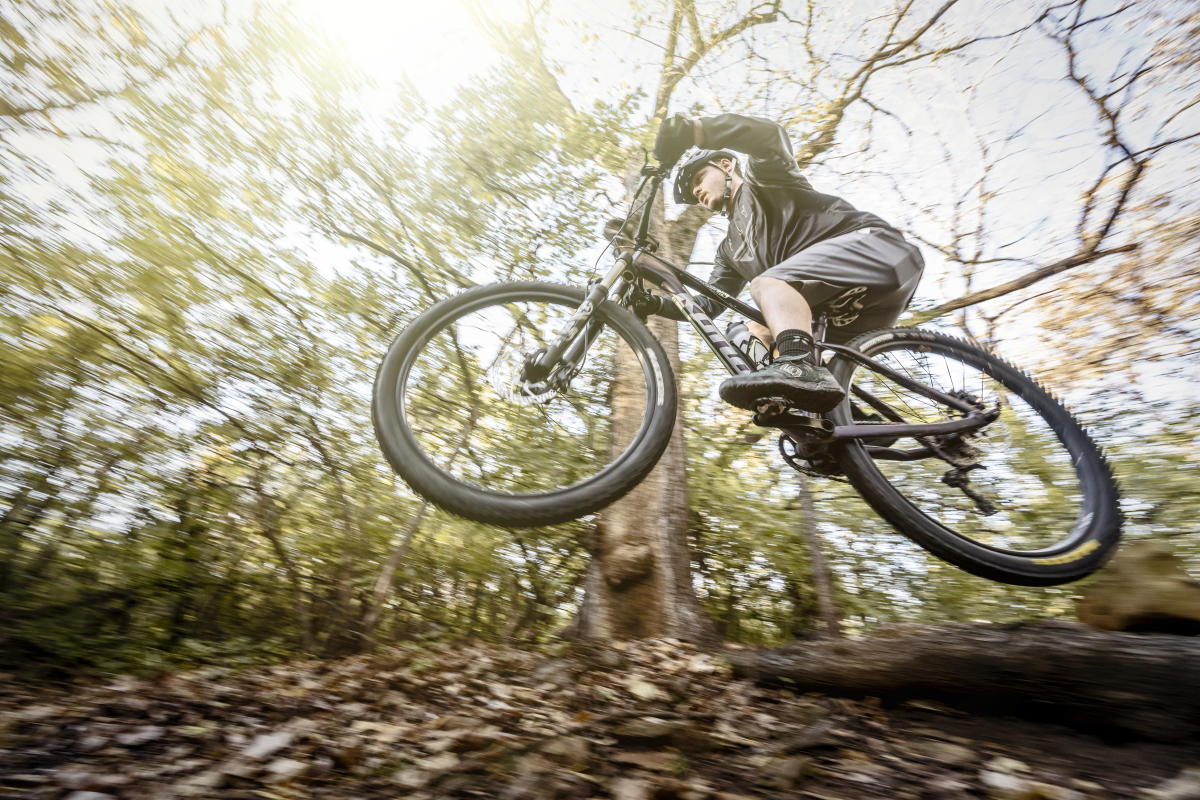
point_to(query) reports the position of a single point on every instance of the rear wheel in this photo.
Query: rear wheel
(458, 420)
(1027, 499)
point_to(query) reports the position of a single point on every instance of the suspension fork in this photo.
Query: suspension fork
(570, 345)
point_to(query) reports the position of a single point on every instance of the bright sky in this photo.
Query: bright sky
(436, 45)
(439, 46)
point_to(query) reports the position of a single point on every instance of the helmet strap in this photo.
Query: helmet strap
(728, 193)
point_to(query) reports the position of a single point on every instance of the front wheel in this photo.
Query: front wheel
(459, 420)
(1027, 499)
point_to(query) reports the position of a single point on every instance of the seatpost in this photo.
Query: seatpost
(818, 335)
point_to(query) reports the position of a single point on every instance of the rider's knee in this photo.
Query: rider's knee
(764, 284)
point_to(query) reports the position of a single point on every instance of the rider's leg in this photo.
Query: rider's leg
(794, 375)
(877, 265)
(783, 307)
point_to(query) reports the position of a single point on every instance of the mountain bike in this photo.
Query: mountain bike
(530, 403)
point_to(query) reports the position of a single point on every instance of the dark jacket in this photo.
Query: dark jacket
(776, 213)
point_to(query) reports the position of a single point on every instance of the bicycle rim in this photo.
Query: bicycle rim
(1013, 488)
(473, 419)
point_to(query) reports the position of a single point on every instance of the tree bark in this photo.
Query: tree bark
(343, 634)
(639, 581)
(383, 583)
(268, 521)
(1106, 682)
(818, 567)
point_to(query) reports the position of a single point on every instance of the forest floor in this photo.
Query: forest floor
(645, 721)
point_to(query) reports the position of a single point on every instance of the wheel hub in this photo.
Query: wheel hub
(508, 378)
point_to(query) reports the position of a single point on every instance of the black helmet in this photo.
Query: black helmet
(683, 176)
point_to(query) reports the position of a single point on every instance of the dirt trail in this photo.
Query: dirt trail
(647, 721)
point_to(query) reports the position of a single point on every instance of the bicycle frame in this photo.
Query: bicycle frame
(636, 261)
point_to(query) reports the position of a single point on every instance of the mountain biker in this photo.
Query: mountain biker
(798, 249)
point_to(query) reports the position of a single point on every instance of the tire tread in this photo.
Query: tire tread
(1018, 569)
(511, 510)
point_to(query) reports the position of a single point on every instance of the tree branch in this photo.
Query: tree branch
(1029, 279)
(93, 95)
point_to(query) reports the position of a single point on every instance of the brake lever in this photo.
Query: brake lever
(652, 170)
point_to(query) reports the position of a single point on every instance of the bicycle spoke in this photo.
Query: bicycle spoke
(468, 384)
(1009, 485)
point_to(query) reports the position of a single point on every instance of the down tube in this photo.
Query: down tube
(734, 359)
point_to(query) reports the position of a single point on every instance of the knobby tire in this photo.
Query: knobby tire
(1078, 552)
(521, 509)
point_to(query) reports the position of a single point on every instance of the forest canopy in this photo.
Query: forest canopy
(213, 220)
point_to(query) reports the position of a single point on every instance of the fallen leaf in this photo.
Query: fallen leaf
(267, 744)
(440, 762)
(630, 789)
(140, 736)
(282, 770)
(644, 690)
(654, 761)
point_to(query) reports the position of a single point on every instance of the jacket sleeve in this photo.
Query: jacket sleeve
(724, 277)
(764, 141)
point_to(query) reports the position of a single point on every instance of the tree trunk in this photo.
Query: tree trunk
(383, 584)
(343, 633)
(639, 581)
(1117, 682)
(268, 521)
(821, 577)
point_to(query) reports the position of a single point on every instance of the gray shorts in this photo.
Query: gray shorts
(860, 280)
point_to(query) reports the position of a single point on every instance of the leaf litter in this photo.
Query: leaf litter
(651, 720)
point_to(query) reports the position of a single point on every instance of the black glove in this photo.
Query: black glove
(658, 306)
(674, 136)
(647, 304)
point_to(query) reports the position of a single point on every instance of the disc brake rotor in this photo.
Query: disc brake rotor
(505, 378)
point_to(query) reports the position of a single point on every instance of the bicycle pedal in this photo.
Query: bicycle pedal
(775, 412)
(769, 408)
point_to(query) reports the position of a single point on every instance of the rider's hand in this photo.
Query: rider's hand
(674, 136)
(648, 304)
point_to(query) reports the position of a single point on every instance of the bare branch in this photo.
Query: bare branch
(749, 21)
(428, 286)
(1154, 148)
(94, 95)
(669, 69)
(246, 276)
(674, 72)
(886, 56)
(689, 7)
(1028, 279)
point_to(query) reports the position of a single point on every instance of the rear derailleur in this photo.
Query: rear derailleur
(963, 457)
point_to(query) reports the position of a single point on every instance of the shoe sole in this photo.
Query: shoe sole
(749, 397)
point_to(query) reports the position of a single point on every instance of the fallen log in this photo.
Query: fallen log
(1147, 685)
